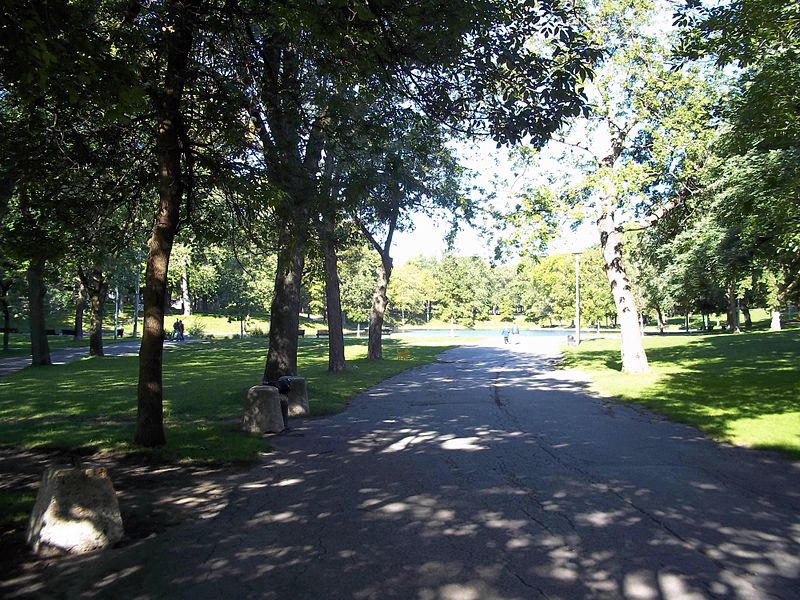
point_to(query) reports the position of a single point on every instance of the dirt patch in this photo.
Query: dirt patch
(152, 496)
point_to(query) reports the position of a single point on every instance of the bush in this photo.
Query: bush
(196, 329)
(257, 332)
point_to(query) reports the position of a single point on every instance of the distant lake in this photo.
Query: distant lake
(483, 333)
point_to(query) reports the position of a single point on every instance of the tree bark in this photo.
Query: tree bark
(748, 319)
(40, 349)
(634, 358)
(660, 319)
(285, 309)
(378, 310)
(333, 298)
(775, 310)
(178, 37)
(733, 326)
(97, 289)
(80, 306)
(186, 299)
(5, 286)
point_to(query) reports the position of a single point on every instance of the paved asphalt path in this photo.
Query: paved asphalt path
(486, 475)
(65, 355)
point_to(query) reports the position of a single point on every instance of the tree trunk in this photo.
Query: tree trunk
(186, 299)
(80, 306)
(178, 37)
(5, 286)
(97, 301)
(333, 298)
(634, 359)
(775, 310)
(660, 319)
(775, 322)
(748, 320)
(96, 288)
(40, 349)
(733, 326)
(376, 313)
(285, 309)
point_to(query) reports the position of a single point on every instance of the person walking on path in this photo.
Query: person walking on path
(505, 334)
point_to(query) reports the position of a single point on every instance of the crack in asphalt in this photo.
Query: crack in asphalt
(528, 585)
(569, 464)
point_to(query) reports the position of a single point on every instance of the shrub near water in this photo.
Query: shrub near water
(744, 389)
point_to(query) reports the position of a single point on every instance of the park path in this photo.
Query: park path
(65, 355)
(486, 475)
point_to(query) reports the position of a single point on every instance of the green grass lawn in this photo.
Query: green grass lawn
(92, 402)
(743, 389)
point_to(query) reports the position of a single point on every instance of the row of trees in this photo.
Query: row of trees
(689, 173)
(281, 129)
(292, 131)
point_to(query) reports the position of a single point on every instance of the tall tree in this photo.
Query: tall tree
(646, 142)
(411, 170)
(752, 180)
(176, 26)
(440, 56)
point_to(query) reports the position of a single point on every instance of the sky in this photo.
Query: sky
(494, 171)
(494, 165)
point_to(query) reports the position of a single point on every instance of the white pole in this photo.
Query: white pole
(116, 311)
(577, 298)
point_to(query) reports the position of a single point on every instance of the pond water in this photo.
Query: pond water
(483, 333)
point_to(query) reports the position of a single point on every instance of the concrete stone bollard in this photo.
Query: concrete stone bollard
(298, 396)
(76, 511)
(262, 410)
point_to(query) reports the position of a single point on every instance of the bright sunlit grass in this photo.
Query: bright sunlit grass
(744, 388)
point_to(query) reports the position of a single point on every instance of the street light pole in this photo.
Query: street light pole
(577, 298)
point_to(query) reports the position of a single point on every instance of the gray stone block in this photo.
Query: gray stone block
(262, 410)
(76, 511)
(298, 396)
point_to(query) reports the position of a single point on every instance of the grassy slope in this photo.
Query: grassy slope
(92, 402)
(740, 388)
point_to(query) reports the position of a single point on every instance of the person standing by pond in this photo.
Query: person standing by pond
(515, 333)
(505, 334)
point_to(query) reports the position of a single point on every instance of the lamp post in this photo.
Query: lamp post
(577, 298)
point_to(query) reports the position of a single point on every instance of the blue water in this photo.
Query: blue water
(484, 333)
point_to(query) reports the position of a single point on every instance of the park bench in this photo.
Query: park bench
(301, 333)
(386, 331)
(322, 333)
(68, 332)
(9, 330)
(50, 332)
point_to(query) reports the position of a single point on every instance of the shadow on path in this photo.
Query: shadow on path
(486, 475)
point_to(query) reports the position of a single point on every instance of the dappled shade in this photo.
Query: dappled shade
(484, 478)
